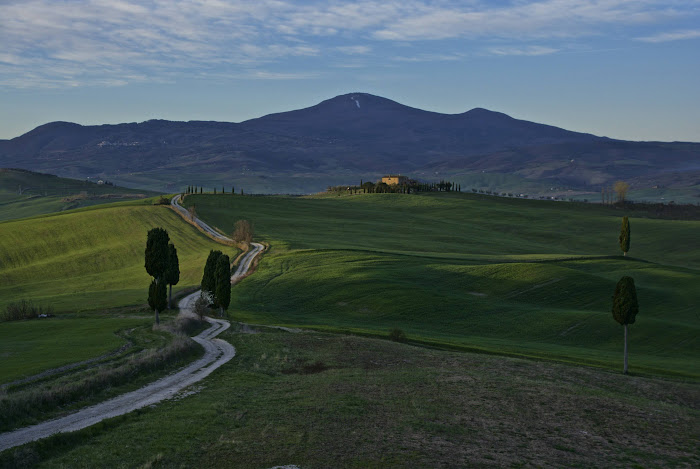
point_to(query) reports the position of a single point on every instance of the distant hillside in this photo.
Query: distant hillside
(26, 193)
(338, 141)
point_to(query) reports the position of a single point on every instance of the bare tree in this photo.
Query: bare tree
(243, 232)
(201, 305)
(192, 211)
(621, 188)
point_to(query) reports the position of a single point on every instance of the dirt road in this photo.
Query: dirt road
(217, 352)
(175, 202)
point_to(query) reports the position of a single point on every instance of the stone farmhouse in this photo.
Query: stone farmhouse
(392, 180)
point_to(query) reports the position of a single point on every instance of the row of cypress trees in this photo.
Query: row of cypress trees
(200, 190)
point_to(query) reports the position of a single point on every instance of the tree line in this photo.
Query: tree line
(410, 187)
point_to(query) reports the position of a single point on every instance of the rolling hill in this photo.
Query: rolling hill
(339, 141)
(92, 258)
(26, 193)
(464, 271)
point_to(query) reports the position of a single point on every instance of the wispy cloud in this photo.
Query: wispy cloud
(527, 51)
(672, 36)
(354, 50)
(103, 42)
(429, 58)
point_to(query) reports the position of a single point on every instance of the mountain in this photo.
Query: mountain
(339, 141)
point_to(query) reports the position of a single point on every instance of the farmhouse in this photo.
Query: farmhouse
(395, 180)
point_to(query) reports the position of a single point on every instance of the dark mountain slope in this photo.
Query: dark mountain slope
(346, 136)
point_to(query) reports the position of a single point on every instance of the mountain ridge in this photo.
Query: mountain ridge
(339, 138)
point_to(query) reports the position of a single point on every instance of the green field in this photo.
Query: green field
(319, 401)
(464, 272)
(498, 275)
(29, 347)
(92, 258)
(25, 194)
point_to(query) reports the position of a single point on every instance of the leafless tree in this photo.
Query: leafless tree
(621, 188)
(243, 232)
(192, 211)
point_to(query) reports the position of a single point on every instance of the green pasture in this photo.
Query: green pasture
(29, 347)
(321, 400)
(92, 258)
(520, 277)
(452, 225)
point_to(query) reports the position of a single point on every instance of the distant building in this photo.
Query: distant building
(395, 180)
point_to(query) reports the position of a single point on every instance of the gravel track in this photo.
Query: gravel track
(216, 353)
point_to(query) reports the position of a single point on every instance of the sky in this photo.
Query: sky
(627, 69)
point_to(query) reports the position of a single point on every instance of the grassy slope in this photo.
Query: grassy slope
(520, 277)
(45, 193)
(318, 400)
(29, 347)
(92, 258)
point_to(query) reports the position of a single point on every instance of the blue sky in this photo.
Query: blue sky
(626, 69)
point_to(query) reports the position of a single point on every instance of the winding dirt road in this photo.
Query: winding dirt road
(216, 353)
(175, 203)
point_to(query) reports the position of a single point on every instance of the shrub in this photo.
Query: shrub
(201, 305)
(24, 309)
(397, 335)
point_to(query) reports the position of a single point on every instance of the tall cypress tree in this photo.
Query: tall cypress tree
(625, 235)
(172, 273)
(222, 294)
(209, 277)
(156, 263)
(625, 307)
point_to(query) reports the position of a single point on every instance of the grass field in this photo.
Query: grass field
(319, 400)
(519, 277)
(26, 194)
(105, 354)
(454, 271)
(29, 347)
(92, 258)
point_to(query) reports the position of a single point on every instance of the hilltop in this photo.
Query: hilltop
(343, 139)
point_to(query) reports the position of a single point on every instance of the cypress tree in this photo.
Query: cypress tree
(157, 297)
(222, 294)
(209, 277)
(625, 307)
(625, 235)
(172, 273)
(233, 190)
(156, 261)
